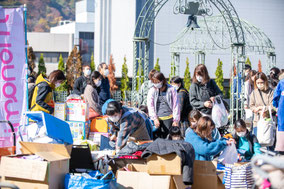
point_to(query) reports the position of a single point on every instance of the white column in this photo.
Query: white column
(98, 31)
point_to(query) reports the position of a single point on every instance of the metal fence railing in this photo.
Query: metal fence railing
(60, 96)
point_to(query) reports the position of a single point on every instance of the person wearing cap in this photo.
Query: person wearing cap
(105, 87)
(81, 82)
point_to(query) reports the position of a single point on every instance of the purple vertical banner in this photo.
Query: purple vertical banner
(12, 71)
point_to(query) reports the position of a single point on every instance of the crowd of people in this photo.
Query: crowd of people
(170, 111)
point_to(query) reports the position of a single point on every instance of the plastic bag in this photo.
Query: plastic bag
(219, 113)
(92, 180)
(229, 155)
(266, 130)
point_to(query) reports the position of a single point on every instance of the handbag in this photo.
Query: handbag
(219, 112)
(236, 176)
(266, 130)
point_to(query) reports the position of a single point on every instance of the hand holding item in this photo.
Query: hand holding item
(212, 99)
(157, 123)
(112, 138)
(175, 124)
(208, 104)
(230, 141)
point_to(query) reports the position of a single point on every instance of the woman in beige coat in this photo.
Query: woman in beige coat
(260, 98)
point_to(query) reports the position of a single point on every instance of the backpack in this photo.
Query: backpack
(31, 93)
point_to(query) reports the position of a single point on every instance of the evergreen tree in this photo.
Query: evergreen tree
(259, 66)
(219, 76)
(92, 65)
(157, 66)
(173, 71)
(140, 75)
(41, 65)
(31, 61)
(124, 80)
(248, 61)
(111, 75)
(63, 87)
(61, 65)
(73, 66)
(187, 77)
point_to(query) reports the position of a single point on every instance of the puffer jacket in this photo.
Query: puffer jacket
(42, 97)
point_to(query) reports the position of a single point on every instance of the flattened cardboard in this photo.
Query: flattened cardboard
(169, 164)
(50, 152)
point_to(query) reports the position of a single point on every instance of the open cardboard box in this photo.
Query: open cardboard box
(205, 175)
(36, 174)
(169, 164)
(138, 178)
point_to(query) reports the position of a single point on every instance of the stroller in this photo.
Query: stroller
(4, 151)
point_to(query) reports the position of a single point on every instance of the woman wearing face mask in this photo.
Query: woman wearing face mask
(203, 91)
(91, 95)
(163, 105)
(246, 143)
(42, 99)
(249, 86)
(260, 98)
(81, 83)
(127, 124)
(201, 140)
(185, 106)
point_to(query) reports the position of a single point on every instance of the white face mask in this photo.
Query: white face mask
(199, 78)
(87, 72)
(98, 83)
(260, 86)
(158, 85)
(176, 87)
(114, 119)
(106, 72)
(241, 134)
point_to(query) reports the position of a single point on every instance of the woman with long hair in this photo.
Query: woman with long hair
(203, 90)
(163, 105)
(261, 98)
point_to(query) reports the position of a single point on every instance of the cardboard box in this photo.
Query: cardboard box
(138, 178)
(79, 129)
(99, 124)
(77, 110)
(169, 164)
(205, 175)
(35, 174)
(60, 111)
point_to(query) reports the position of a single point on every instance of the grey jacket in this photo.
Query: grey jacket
(183, 149)
(201, 93)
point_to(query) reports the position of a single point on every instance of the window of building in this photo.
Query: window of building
(86, 46)
(51, 57)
